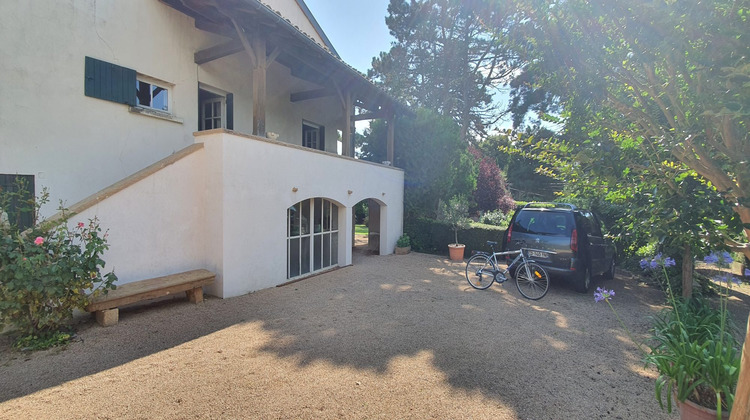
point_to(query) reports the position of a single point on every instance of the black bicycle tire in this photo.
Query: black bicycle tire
(539, 283)
(483, 282)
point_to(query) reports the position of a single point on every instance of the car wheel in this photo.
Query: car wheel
(583, 283)
(610, 274)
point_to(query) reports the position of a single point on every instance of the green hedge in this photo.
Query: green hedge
(432, 236)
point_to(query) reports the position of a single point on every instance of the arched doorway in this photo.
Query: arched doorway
(368, 222)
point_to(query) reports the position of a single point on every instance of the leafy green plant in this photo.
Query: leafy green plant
(47, 271)
(455, 213)
(692, 344)
(496, 218)
(403, 241)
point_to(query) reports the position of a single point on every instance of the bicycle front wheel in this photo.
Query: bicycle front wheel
(532, 280)
(480, 272)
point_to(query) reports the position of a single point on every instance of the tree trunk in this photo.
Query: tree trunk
(687, 272)
(741, 408)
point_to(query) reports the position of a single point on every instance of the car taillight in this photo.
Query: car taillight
(574, 240)
(510, 231)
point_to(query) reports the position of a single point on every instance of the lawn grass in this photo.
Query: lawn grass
(361, 230)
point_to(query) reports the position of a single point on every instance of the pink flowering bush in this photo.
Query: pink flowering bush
(47, 271)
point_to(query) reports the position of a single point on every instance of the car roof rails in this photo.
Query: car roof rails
(550, 205)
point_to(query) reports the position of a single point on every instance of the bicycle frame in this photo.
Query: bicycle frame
(520, 257)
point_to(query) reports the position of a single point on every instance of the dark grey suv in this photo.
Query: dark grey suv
(575, 235)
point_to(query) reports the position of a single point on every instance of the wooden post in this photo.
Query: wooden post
(346, 136)
(741, 408)
(259, 84)
(391, 132)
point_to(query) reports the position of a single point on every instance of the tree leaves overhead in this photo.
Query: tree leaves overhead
(447, 57)
(657, 91)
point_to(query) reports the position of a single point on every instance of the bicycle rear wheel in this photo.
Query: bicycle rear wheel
(534, 283)
(480, 272)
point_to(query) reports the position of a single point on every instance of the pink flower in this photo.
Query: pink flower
(39, 240)
(80, 225)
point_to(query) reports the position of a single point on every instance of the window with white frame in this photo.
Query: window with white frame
(312, 236)
(152, 95)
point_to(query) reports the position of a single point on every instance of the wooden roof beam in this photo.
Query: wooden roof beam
(311, 94)
(218, 51)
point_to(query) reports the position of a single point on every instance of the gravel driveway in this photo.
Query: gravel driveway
(389, 337)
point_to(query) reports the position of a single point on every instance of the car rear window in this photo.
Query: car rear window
(543, 223)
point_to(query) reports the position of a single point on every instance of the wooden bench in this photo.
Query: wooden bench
(105, 306)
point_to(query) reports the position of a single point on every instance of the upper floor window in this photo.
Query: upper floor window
(151, 95)
(313, 136)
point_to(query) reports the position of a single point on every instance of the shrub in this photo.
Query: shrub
(496, 218)
(48, 271)
(403, 241)
(433, 236)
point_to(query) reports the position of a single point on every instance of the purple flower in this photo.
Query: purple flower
(644, 264)
(657, 261)
(727, 279)
(747, 272)
(727, 257)
(603, 294)
(669, 262)
(711, 258)
(654, 264)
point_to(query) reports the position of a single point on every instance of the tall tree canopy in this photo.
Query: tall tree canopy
(447, 57)
(655, 93)
(436, 163)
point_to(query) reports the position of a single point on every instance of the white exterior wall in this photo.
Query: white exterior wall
(157, 226)
(252, 216)
(75, 144)
(291, 10)
(224, 208)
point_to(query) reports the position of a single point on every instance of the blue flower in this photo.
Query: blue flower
(727, 279)
(644, 264)
(727, 257)
(603, 294)
(747, 272)
(711, 258)
(669, 262)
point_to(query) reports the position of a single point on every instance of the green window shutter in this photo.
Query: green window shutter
(322, 138)
(109, 82)
(230, 111)
(18, 214)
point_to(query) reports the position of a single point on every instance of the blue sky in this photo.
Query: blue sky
(356, 28)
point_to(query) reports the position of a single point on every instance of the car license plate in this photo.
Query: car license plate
(538, 254)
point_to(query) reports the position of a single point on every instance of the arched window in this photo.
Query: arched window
(312, 236)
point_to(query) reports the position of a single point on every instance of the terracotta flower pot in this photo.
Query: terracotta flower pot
(692, 411)
(402, 250)
(456, 251)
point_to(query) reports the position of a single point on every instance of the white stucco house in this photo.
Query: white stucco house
(202, 133)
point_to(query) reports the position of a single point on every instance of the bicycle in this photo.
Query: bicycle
(531, 278)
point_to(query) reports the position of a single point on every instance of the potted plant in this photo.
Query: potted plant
(455, 213)
(403, 245)
(692, 348)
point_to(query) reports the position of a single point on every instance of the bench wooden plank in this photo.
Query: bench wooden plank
(188, 281)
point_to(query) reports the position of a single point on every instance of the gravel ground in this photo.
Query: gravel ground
(389, 337)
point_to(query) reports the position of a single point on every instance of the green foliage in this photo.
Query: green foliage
(446, 57)
(524, 181)
(654, 98)
(435, 161)
(403, 241)
(496, 218)
(43, 341)
(48, 271)
(433, 236)
(455, 213)
(696, 355)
